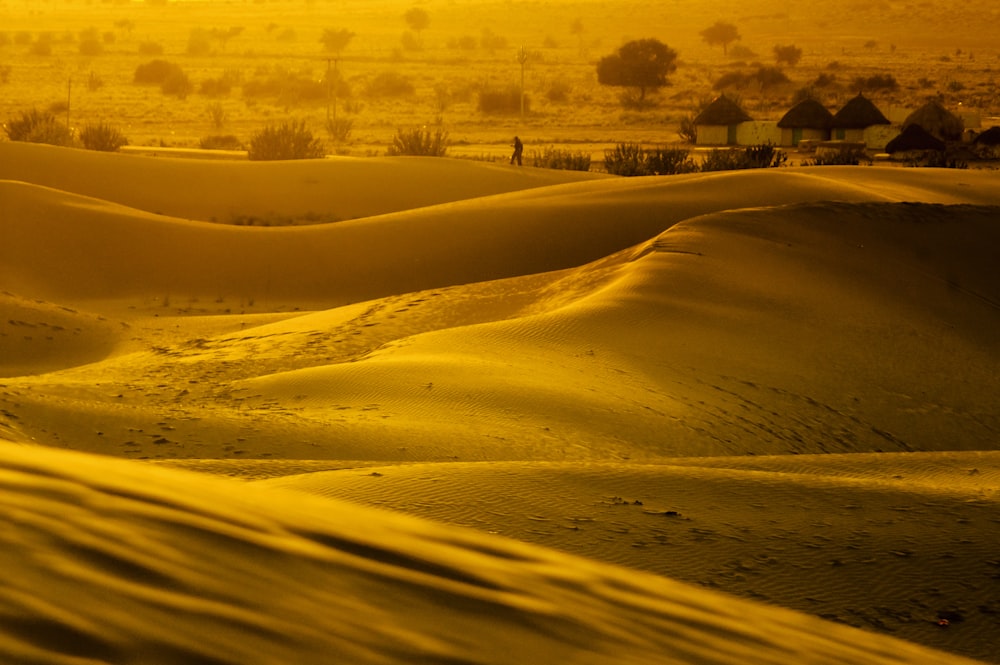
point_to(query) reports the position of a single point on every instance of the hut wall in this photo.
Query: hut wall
(851, 135)
(877, 137)
(788, 136)
(712, 135)
(756, 132)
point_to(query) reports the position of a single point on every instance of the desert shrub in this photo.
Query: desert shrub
(849, 157)
(687, 130)
(463, 43)
(420, 142)
(490, 41)
(150, 48)
(669, 161)
(102, 136)
(825, 80)
(36, 126)
(177, 84)
(630, 159)
(558, 91)
(876, 82)
(789, 53)
(730, 80)
(219, 87)
(220, 142)
(760, 156)
(339, 129)
(291, 89)
(94, 82)
(741, 52)
(502, 100)
(90, 46)
(217, 112)
(41, 48)
(768, 76)
(626, 159)
(155, 72)
(390, 84)
(199, 42)
(565, 160)
(289, 140)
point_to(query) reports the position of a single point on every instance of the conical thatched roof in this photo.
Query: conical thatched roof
(858, 113)
(990, 137)
(722, 111)
(914, 137)
(937, 120)
(807, 114)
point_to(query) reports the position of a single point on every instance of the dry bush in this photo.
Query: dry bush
(390, 84)
(502, 100)
(565, 160)
(761, 156)
(289, 140)
(36, 126)
(102, 136)
(419, 142)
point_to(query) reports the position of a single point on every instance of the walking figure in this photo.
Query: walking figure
(518, 149)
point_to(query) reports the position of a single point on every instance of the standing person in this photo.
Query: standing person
(518, 149)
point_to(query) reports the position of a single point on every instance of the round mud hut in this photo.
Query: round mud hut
(913, 143)
(856, 116)
(807, 120)
(937, 120)
(717, 123)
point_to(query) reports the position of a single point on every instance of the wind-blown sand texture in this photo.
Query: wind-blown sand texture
(779, 385)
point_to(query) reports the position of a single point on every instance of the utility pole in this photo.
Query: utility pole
(331, 99)
(69, 100)
(522, 57)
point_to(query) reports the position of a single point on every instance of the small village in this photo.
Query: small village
(930, 134)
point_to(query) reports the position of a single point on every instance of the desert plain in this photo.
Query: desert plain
(465, 412)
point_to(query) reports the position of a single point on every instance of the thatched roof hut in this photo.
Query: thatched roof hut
(914, 138)
(807, 114)
(717, 123)
(990, 137)
(937, 120)
(722, 111)
(807, 120)
(858, 113)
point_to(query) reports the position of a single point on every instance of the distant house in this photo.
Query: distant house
(937, 120)
(717, 124)
(806, 120)
(989, 141)
(913, 143)
(855, 119)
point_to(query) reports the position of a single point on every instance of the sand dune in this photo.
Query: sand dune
(107, 561)
(333, 189)
(883, 542)
(794, 372)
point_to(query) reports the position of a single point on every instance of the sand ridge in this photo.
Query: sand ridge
(231, 573)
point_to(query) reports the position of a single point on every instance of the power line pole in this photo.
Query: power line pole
(522, 57)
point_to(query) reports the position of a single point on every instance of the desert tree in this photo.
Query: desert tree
(721, 33)
(417, 19)
(335, 41)
(642, 64)
(789, 54)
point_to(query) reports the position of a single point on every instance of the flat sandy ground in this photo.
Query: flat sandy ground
(488, 414)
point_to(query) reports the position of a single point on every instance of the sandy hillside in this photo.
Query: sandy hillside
(776, 384)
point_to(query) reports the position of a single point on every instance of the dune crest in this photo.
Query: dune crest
(222, 572)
